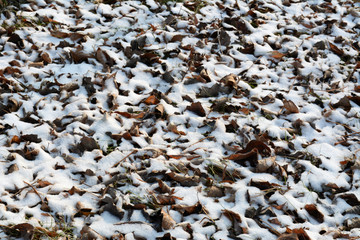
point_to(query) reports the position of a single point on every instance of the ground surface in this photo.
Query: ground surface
(189, 120)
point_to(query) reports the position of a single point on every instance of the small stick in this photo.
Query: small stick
(36, 192)
(200, 141)
(133, 151)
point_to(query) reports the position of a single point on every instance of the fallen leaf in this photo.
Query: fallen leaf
(301, 234)
(336, 50)
(59, 34)
(173, 128)
(215, 192)
(88, 233)
(264, 164)
(167, 221)
(197, 108)
(151, 100)
(15, 38)
(15, 139)
(277, 55)
(23, 230)
(188, 210)
(163, 187)
(314, 212)
(288, 236)
(160, 111)
(45, 57)
(77, 190)
(184, 180)
(87, 144)
(343, 103)
(42, 183)
(30, 138)
(290, 106)
(224, 38)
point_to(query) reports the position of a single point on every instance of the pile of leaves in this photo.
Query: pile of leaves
(180, 119)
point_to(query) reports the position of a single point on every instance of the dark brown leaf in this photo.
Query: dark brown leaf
(314, 212)
(23, 230)
(30, 138)
(336, 50)
(15, 38)
(224, 38)
(343, 103)
(197, 108)
(87, 144)
(187, 210)
(163, 187)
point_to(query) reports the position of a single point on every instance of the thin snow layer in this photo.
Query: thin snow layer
(181, 120)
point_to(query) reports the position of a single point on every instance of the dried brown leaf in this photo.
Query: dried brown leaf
(45, 57)
(90, 234)
(173, 128)
(215, 192)
(197, 108)
(163, 187)
(290, 106)
(264, 164)
(336, 50)
(15, 139)
(42, 183)
(151, 100)
(23, 230)
(277, 55)
(314, 212)
(59, 34)
(167, 221)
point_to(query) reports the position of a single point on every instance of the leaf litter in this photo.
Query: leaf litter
(197, 120)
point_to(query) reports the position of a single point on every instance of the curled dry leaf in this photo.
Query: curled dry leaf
(250, 152)
(88, 233)
(15, 139)
(45, 57)
(187, 210)
(264, 164)
(160, 111)
(167, 221)
(163, 187)
(336, 50)
(184, 180)
(230, 80)
(290, 106)
(172, 127)
(300, 233)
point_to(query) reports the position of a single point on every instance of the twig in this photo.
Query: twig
(36, 192)
(199, 141)
(133, 151)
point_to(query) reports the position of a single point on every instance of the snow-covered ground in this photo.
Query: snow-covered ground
(180, 120)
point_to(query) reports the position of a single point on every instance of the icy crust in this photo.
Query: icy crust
(184, 120)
